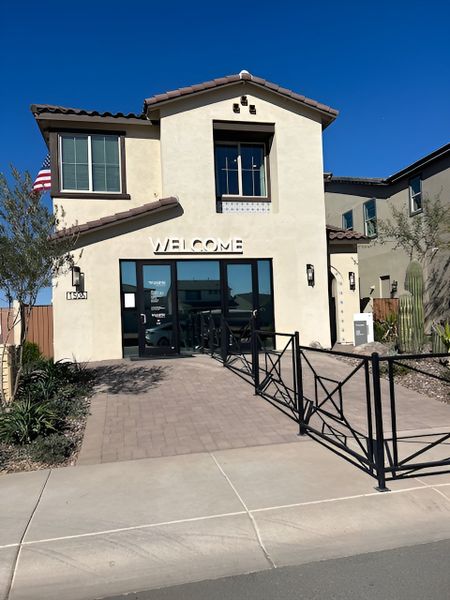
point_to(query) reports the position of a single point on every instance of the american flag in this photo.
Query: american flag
(43, 180)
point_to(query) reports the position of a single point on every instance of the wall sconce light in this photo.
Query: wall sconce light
(244, 100)
(310, 274)
(76, 277)
(352, 280)
(236, 108)
(394, 287)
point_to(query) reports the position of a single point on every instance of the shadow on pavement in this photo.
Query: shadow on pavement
(120, 379)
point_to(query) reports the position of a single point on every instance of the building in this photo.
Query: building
(210, 202)
(355, 203)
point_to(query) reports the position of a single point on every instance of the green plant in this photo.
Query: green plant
(30, 353)
(405, 323)
(52, 449)
(414, 284)
(443, 332)
(31, 256)
(379, 330)
(26, 419)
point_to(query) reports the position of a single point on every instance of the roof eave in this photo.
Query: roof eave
(419, 164)
(347, 241)
(45, 117)
(330, 115)
(151, 208)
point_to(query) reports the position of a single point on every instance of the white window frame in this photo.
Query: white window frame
(238, 144)
(415, 211)
(89, 138)
(343, 215)
(366, 220)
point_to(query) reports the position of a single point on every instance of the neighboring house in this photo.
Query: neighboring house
(355, 203)
(209, 202)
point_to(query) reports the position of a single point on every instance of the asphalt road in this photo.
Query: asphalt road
(414, 573)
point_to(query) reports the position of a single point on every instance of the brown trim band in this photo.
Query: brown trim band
(244, 126)
(91, 195)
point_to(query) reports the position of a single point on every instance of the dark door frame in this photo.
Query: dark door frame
(172, 263)
(157, 350)
(253, 262)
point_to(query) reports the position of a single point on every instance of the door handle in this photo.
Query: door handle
(143, 318)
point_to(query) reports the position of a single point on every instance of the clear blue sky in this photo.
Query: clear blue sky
(383, 64)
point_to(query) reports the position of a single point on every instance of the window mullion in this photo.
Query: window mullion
(90, 164)
(240, 170)
(120, 162)
(61, 184)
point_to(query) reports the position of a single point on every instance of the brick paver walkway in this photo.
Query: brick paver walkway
(168, 407)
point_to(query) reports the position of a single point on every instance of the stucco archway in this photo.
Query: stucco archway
(336, 297)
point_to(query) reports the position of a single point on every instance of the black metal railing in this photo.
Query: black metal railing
(421, 452)
(354, 414)
(327, 415)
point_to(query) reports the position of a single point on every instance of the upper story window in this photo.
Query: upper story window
(415, 195)
(370, 218)
(241, 169)
(347, 220)
(90, 163)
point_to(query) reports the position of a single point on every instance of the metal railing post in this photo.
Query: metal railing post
(379, 431)
(202, 334)
(223, 340)
(255, 355)
(299, 385)
(211, 335)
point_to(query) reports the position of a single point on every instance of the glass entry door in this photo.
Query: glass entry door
(241, 297)
(157, 312)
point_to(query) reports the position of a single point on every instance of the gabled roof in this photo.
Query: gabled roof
(120, 217)
(244, 76)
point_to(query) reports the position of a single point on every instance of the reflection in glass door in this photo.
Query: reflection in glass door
(199, 298)
(240, 296)
(157, 311)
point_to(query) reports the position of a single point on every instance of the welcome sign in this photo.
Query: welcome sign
(175, 245)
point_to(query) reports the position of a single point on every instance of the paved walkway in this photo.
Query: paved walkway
(167, 407)
(92, 531)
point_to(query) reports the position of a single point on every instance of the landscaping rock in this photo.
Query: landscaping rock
(370, 347)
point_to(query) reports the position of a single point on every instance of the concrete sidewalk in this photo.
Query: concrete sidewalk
(98, 530)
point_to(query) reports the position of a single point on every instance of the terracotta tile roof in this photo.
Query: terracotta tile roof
(126, 215)
(337, 233)
(38, 109)
(230, 79)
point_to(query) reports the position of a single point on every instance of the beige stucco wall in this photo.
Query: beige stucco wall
(293, 234)
(7, 369)
(379, 260)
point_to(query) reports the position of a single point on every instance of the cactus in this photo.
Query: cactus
(405, 323)
(414, 284)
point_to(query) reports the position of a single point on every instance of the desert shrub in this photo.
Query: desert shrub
(379, 330)
(48, 380)
(50, 395)
(26, 419)
(30, 354)
(51, 449)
